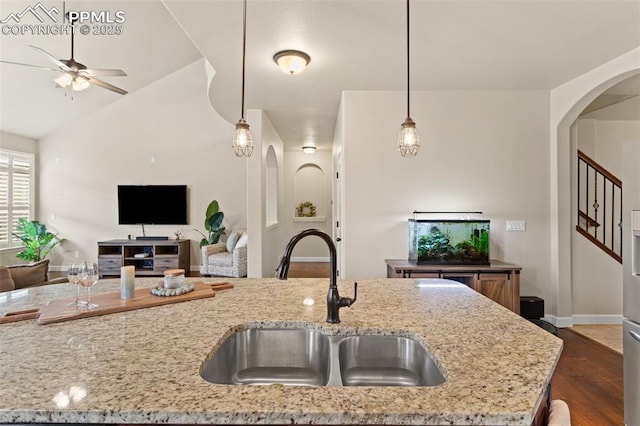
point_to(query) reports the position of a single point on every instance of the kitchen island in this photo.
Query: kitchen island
(143, 366)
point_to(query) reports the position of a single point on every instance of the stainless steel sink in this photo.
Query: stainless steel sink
(264, 356)
(386, 361)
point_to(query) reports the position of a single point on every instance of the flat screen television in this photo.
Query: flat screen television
(152, 204)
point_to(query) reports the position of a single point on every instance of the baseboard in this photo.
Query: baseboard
(560, 322)
(310, 259)
(597, 319)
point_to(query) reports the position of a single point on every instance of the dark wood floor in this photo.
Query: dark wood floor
(308, 270)
(589, 379)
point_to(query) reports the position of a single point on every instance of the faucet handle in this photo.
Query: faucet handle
(347, 301)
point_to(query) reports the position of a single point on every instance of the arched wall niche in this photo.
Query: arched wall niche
(271, 183)
(308, 185)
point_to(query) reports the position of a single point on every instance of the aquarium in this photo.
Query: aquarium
(449, 241)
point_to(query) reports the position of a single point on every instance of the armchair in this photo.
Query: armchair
(218, 260)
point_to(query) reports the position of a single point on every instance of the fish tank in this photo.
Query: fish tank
(449, 238)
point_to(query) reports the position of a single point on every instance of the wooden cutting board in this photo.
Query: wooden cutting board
(109, 303)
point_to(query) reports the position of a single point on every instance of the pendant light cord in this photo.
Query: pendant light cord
(244, 46)
(73, 28)
(408, 95)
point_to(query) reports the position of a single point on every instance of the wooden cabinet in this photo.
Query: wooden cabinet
(498, 281)
(150, 257)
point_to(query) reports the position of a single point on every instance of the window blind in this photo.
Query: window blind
(16, 193)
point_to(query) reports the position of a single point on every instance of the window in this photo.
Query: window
(16, 193)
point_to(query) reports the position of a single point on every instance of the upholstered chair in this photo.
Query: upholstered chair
(227, 259)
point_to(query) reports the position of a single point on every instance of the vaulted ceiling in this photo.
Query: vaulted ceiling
(353, 44)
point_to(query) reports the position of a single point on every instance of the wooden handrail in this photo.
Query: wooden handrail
(599, 168)
(589, 219)
(604, 248)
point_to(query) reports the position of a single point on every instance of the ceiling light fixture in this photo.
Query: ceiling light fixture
(408, 139)
(242, 138)
(309, 149)
(292, 61)
(77, 83)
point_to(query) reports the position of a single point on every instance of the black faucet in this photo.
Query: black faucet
(334, 301)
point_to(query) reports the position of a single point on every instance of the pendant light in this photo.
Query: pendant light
(242, 139)
(408, 139)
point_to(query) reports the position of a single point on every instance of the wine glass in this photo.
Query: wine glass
(89, 276)
(73, 275)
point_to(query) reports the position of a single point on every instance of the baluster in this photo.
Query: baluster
(595, 201)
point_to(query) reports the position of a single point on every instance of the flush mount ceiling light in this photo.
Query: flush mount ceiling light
(242, 138)
(292, 61)
(309, 149)
(408, 139)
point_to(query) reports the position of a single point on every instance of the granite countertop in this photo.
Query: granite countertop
(143, 366)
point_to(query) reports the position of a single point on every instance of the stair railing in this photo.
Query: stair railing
(599, 206)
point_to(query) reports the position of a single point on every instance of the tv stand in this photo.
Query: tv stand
(154, 256)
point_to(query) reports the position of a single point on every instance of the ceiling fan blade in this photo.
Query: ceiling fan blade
(104, 85)
(52, 58)
(29, 65)
(102, 72)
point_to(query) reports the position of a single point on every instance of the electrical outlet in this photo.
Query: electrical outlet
(516, 225)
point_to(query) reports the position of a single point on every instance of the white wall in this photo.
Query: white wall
(266, 242)
(297, 190)
(610, 135)
(165, 133)
(13, 142)
(481, 150)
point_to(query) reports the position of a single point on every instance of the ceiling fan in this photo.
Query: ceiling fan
(74, 74)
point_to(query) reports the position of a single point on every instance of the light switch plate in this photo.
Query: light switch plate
(516, 225)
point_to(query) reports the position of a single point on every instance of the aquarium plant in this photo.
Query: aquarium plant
(434, 244)
(449, 242)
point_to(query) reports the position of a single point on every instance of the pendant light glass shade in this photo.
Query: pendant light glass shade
(408, 139)
(64, 80)
(79, 84)
(242, 138)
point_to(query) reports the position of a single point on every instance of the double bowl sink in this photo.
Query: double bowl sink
(299, 356)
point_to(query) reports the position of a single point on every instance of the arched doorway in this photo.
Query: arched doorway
(566, 104)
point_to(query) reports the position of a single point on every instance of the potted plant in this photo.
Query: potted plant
(38, 242)
(212, 223)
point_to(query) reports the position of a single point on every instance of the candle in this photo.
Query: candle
(127, 281)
